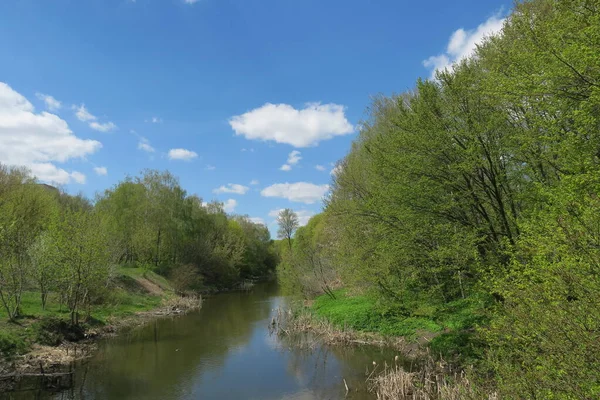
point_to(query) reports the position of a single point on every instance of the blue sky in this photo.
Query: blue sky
(249, 102)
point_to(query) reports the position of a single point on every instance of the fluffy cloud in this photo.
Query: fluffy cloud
(282, 123)
(319, 167)
(303, 215)
(463, 44)
(143, 144)
(182, 154)
(84, 115)
(102, 171)
(293, 159)
(78, 177)
(232, 188)
(51, 103)
(300, 192)
(229, 205)
(38, 140)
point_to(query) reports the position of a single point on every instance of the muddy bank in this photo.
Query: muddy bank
(43, 359)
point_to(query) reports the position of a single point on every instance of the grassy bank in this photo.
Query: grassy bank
(446, 329)
(440, 338)
(136, 293)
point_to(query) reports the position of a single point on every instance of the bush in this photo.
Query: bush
(185, 279)
(11, 344)
(53, 331)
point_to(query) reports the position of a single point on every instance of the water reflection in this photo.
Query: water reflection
(223, 351)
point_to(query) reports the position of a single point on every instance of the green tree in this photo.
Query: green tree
(25, 208)
(82, 253)
(288, 223)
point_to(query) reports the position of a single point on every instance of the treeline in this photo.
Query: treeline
(485, 182)
(69, 246)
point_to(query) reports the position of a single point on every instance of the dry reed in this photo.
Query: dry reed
(432, 381)
(287, 322)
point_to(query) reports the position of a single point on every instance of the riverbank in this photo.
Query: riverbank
(439, 338)
(446, 330)
(44, 340)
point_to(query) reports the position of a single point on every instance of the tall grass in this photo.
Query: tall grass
(431, 381)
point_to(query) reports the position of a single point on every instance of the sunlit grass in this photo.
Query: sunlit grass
(17, 337)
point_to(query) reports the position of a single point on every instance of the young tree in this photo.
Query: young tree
(44, 269)
(25, 208)
(288, 223)
(83, 257)
(310, 267)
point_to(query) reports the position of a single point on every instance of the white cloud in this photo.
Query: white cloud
(462, 44)
(106, 127)
(78, 177)
(210, 167)
(48, 172)
(182, 154)
(155, 120)
(37, 140)
(144, 144)
(84, 115)
(102, 171)
(303, 215)
(282, 123)
(319, 167)
(301, 192)
(51, 103)
(232, 188)
(254, 182)
(229, 205)
(257, 220)
(293, 159)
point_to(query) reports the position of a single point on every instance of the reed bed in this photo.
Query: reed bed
(431, 381)
(289, 322)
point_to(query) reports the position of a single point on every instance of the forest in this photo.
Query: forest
(67, 249)
(478, 191)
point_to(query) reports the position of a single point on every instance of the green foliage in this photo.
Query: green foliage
(288, 223)
(482, 184)
(66, 259)
(308, 266)
(11, 344)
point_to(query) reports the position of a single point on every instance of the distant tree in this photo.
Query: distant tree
(288, 223)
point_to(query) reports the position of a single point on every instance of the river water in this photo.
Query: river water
(222, 351)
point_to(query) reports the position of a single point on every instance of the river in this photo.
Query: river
(222, 351)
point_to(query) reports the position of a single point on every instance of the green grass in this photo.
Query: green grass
(36, 324)
(363, 313)
(452, 323)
